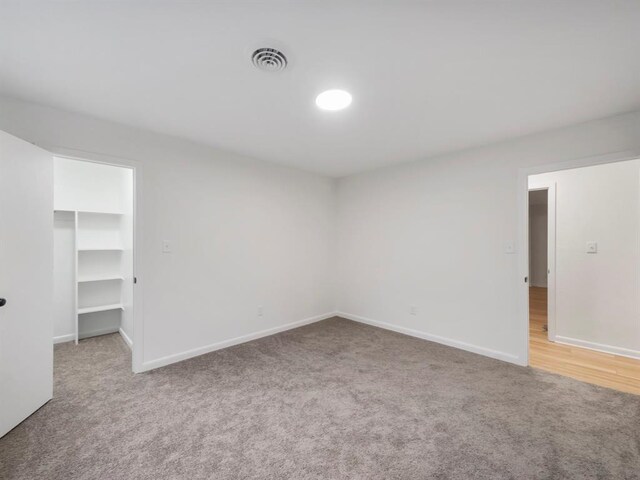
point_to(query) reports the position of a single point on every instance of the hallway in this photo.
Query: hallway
(604, 369)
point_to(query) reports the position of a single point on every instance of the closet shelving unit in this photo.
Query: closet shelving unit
(99, 271)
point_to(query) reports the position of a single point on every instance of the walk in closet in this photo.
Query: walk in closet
(93, 250)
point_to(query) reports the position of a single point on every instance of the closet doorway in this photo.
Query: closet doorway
(94, 228)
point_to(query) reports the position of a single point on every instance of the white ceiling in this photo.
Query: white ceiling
(426, 77)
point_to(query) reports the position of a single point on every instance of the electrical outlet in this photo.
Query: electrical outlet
(592, 247)
(413, 310)
(260, 311)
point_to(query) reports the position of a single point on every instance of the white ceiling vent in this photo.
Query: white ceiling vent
(269, 59)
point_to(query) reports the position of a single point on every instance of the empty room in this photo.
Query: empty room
(319, 240)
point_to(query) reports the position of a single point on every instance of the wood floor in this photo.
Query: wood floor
(604, 369)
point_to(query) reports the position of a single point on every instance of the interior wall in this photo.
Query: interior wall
(538, 226)
(92, 187)
(598, 294)
(64, 284)
(243, 234)
(425, 247)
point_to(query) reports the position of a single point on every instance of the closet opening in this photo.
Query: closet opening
(94, 225)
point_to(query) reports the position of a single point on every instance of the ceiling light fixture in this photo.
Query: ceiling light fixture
(333, 100)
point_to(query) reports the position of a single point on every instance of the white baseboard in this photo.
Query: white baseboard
(126, 338)
(64, 338)
(70, 337)
(487, 352)
(598, 347)
(178, 357)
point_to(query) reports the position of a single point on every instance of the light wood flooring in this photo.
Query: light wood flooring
(604, 369)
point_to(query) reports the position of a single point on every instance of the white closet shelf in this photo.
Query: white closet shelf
(89, 211)
(99, 278)
(101, 249)
(100, 308)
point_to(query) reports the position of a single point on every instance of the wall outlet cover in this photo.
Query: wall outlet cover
(509, 247)
(592, 247)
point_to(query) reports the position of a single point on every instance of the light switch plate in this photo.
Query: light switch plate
(592, 247)
(166, 246)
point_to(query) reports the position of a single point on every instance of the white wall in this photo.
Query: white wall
(64, 284)
(433, 233)
(538, 220)
(598, 295)
(91, 187)
(243, 233)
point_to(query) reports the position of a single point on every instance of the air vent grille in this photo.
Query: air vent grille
(269, 59)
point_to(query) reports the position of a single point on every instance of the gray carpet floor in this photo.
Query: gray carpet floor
(332, 400)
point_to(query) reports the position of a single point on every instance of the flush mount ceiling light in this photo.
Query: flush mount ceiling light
(333, 100)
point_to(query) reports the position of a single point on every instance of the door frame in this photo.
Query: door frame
(522, 187)
(550, 187)
(137, 352)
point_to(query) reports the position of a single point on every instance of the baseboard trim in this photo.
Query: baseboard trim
(598, 347)
(487, 352)
(71, 337)
(126, 338)
(178, 357)
(64, 338)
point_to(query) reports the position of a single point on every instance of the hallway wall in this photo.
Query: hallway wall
(598, 294)
(538, 238)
